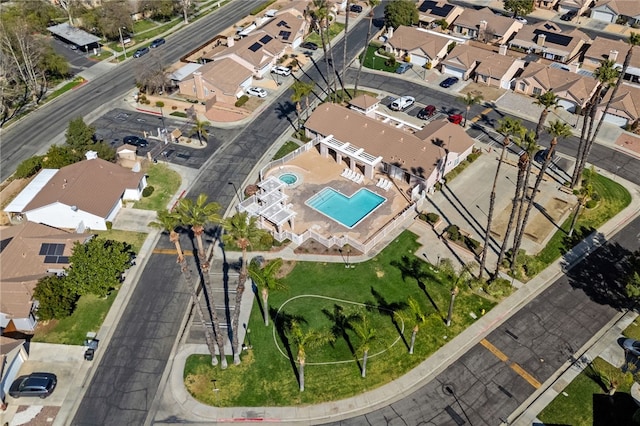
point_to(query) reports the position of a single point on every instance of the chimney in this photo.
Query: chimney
(613, 55)
(91, 155)
(230, 41)
(483, 25)
(573, 67)
(503, 50)
(541, 39)
(199, 85)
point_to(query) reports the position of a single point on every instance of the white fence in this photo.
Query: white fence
(290, 156)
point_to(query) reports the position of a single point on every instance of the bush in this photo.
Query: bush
(56, 299)
(453, 232)
(266, 240)
(159, 104)
(147, 191)
(174, 107)
(472, 244)
(498, 288)
(109, 225)
(591, 204)
(179, 114)
(29, 167)
(433, 218)
(474, 155)
(243, 100)
(423, 217)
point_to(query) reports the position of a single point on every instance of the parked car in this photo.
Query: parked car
(309, 45)
(157, 43)
(449, 81)
(283, 71)
(540, 156)
(403, 67)
(356, 8)
(34, 384)
(257, 91)
(521, 20)
(136, 141)
(456, 118)
(140, 52)
(569, 15)
(402, 103)
(427, 112)
(632, 346)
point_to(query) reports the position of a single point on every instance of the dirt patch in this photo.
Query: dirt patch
(630, 142)
(286, 268)
(552, 212)
(311, 246)
(489, 93)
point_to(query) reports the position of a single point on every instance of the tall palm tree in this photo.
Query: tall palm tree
(584, 194)
(200, 129)
(372, 4)
(344, 44)
(168, 222)
(547, 101)
(197, 215)
(243, 231)
(415, 316)
(557, 129)
(266, 278)
(607, 75)
(307, 339)
(301, 90)
(509, 128)
(464, 274)
(366, 333)
(469, 99)
(320, 16)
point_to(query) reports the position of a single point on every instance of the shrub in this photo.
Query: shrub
(57, 299)
(472, 244)
(147, 191)
(474, 155)
(179, 114)
(243, 100)
(29, 167)
(109, 225)
(499, 288)
(423, 217)
(453, 232)
(159, 104)
(591, 204)
(266, 240)
(175, 107)
(433, 218)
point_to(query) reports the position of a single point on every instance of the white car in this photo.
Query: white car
(521, 20)
(283, 71)
(402, 103)
(257, 91)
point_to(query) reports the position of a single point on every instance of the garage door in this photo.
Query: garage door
(602, 16)
(568, 105)
(12, 372)
(418, 60)
(615, 119)
(454, 72)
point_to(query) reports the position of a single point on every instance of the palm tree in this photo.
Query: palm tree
(607, 75)
(300, 91)
(509, 128)
(243, 231)
(557, 129)
(547, 101)
(372, 5)
(320, 16)
(309, 339)
(200, 128)
(415, 316)
(197, 215)
(469, 99)
(584, 195)
(168, 222)
(344, 47)
(266, 278)
(366, 333)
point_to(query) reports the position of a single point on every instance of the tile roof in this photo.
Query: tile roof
(258, 48)
(464, 56)
(225, 74)
(75, 185)
(627, 99)
(364, 101)
(556, 38)
(436, 9)
(286, 27)
(498, 24)
(601, 48)
(622, 7)
(562, 82)
(411, 39)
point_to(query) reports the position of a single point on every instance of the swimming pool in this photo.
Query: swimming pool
(347, 211)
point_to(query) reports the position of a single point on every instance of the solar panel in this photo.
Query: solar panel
(285, 35)
(283, 24)
(266, 39)
(51, 259)
(47, 249)
(553, 38)
(63, 259)
(4, 243)
(255, 47)
(432, 8)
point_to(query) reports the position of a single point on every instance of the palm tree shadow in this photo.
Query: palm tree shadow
(342, 324)
(282, 322)
(414, 268)
(325, 92)
(388, 308)
(284, 111)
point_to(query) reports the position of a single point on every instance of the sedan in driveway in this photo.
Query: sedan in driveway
(449, 81)
(309, 45)
(402, 103)
(257, 91)
(283, 71)
(632, 346)
(34, 384)
(157, 43)
(136, 141)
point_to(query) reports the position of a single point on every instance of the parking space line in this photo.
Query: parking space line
(479, 116)
(514, 366)
(501, 356)
(528, 377)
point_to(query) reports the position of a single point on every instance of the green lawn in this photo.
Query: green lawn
(135, 239)
(70, 85)
(143, 25)
(375, 62)
(633, 330)
(165, 183)
(267, 377)
(335, 29)
(285, 149)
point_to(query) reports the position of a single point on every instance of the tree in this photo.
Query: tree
(469, 99)
(151, 76)
(243, 231)
(266, 278)
(320, 20)
(301, 90)
(305, 340)
(61, 156)
(547, 100)
(632, 286)
(366, 334)
(400, 12)
(112, 17)
(79, 134)
(186, 7)
(344, 44)
(372, 5)
(162, 10)
(55, 297)
(67, 5)
(509, 128)
(200, 129)
(465, 274)
(168, 222)
(584, 194)
(519, 7)
(415, 316)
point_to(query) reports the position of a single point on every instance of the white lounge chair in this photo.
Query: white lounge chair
(349, 174)
(379, 184)
(360, 179)
(388, 185)
(344, 172)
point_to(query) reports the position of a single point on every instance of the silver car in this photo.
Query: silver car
(633, 346)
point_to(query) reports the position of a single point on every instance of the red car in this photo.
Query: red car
(456, 118)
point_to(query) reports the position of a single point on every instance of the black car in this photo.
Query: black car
(34, 384)
(140, 52)
(136, 141)
(356, 8)
(426, 112)
(157, 43)
(542, 155)
(569, 15)
(309, 45)
(449, 81)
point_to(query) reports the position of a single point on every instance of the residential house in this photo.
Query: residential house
(12, 355)
(486, 26)
(545, 4)
(29, 252)
(287, 27)
(577, 6)
(550, 41)
(614, 50)
(432, 11)
(617, 11)
(223, 80)
(257, 52)
(67, 198)
(418, 46)
(625, 107)
(496, 69)
(370, 145)
(573, 90)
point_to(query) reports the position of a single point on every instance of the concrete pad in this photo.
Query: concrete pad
(136, 220)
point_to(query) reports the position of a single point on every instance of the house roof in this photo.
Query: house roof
(184, 71)
(601, 48)
(286, 27)
(627, 100)
(448, 135)
(563, 83)
(557, 40)
(498, 24)
(73, 34)
(224, 74)
(75, 185)
(364, 101)
(621, 7)
(406, 150)
(435, 10)
(464, 56)
(414, 39)
(23, 263)
(496, 65)
(258, 48)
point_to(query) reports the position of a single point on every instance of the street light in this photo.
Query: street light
(236, 189)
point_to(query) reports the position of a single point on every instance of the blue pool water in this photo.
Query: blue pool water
(347, 211)
(288, 178)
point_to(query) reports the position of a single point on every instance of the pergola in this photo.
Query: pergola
(270, 203)
(354, 153)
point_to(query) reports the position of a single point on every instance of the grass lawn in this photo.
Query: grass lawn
(70, 85)
(335, 29)
(136, 239)
(88, 316)
(165, 183)
(267, 376)
(285, 149)
(577, 409)
(143, 25)
(375, 62)
(633, 330)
